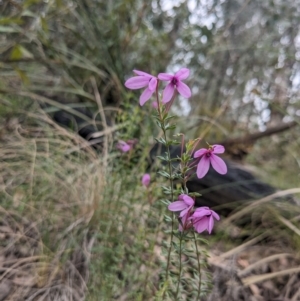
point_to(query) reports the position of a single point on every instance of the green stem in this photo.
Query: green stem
(180, 266)
(199, 268)
(171, 183)
(172, 197)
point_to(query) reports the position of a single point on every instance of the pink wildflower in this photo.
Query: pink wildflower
(175, 84)
(142, 80)
(203, 219)
(184, 204)
(126, 146)
(146, 180)
(154, 105)
(209, 157)
(123, 146)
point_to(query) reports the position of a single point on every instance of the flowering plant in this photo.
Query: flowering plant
(189, 217)
(124, 146)
(146, 180)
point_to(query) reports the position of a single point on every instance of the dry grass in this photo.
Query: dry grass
(49, 194)
(74, 221)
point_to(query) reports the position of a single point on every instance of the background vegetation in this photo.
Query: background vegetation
(65, 204)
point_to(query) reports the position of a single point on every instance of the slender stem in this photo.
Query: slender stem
(171, 183)
(172, 197)
(172, 229)
(180, 265)
(199, 268)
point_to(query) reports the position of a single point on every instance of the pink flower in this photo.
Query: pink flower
(146, 180)
(184, 204)
(175, 84)
(154, 105)
(209, 157)
(203, 219)
(123, 146)
(142, 80)
(126, 146)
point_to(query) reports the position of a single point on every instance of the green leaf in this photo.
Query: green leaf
(165, 201)
(170, 117)
(16, 53)
(161, 140)
(7, 29)
(170, 127)
(158, 123)
(162, 158)
(19, 52)
(167, 218)
(164, 174)
(176, 176)
(166, 190)
(6, 21)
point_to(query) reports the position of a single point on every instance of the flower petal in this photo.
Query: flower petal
(177, 206)
(188, 200)
(137, 82)
(202, 211)
(182, 73)
(201, 224)
(218, 164)
(168, 93)
(184, 212)
(123, 146)
(165, 76)
(145, 96)
(180, 197)
(142, 73)
(203, 167)
(200, 152)
(184, 90)
(210, 224)
(146, 179)
(218, 149)
(215, 215)
(153, 84)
